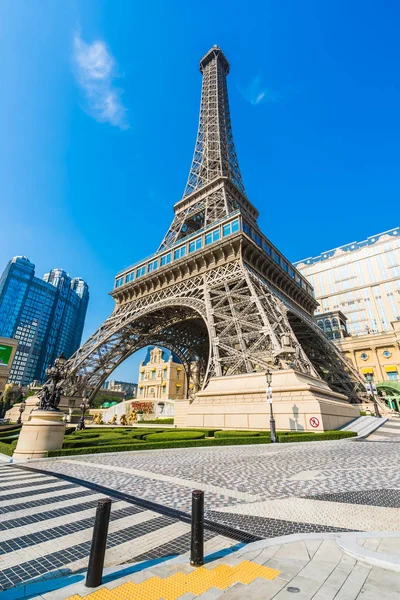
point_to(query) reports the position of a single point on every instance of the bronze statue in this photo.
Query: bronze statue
(50, 394)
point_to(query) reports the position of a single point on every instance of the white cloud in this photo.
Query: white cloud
(255, 92)
(95, 71)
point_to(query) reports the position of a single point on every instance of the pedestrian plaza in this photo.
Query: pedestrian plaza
(307, 494)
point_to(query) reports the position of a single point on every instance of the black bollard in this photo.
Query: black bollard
(197, 541)
(99, 542)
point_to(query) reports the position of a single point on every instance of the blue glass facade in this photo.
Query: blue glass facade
(46, 316)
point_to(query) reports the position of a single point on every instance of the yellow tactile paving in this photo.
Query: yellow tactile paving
(176, 585)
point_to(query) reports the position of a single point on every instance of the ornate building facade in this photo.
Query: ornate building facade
(361, 279)
(161, 376)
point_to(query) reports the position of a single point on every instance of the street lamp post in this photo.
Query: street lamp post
(84, 406)
(370, 378)
(22, 407)
(268, 377)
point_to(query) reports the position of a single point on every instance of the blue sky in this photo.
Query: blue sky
(99, 107)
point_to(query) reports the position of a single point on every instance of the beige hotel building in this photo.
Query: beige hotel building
(361, 281)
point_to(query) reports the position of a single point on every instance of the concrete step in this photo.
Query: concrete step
(364, 426)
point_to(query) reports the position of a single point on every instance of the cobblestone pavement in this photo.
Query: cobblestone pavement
(265, 490)
(46, 528)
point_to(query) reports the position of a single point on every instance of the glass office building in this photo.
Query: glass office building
(45, 315)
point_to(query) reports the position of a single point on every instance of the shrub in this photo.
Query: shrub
(363, 413)
(9, 430)
(234, 433)
(8, 449)
(316, 437)
(9, 438)
(102, 441)
(161, 445)
(69, 430)
(79, 435)
(175, 435)
(160, 421)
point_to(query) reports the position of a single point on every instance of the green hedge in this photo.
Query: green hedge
(102, 441)
(8, 449)
(161, 445)
(9, 438)
(159, 421)
(9, 430)
(316, 437)
(175, 435)
(235, 433)
(70, 430)
(84, 436)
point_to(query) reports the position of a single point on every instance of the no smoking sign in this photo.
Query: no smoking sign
(314, 422)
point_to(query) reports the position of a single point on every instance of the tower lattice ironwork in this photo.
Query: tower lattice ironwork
(216, 291)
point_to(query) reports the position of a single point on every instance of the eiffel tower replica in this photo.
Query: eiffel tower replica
(221, 296)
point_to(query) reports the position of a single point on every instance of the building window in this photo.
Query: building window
(387, 353)
(119, 282)
(246, 229)
(364, 356)
(141, 271)
(153, 266)
(230, 228)
(393, 376)
(195, 245)
(130, 277)
(276, 258)
(179, 252)
(257, 239)
(141, 376)
(284, 266)
(267, 248)
(166, 259)
(153, 374)
(211, 237)
(178, 374)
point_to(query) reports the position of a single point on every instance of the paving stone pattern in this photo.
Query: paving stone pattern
(243, 483)
(51, 535)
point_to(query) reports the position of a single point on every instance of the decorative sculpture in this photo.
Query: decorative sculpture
(113, 421)
(97, 419)
(50, 394)
(123, 420)
(131, 418)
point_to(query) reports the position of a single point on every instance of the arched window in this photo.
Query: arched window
(328, 324)
(320, 324)
(335, 322)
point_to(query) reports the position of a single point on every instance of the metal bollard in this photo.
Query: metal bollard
(99, 542)
(197, 540)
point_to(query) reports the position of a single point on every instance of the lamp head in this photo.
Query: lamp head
(268, 377)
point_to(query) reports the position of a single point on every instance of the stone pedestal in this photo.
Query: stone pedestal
(32, 403)
(45, 431)
(300, 403)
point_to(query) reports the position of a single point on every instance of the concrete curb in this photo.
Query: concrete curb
(368, 557)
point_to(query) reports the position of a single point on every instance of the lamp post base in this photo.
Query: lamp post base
(274, 439)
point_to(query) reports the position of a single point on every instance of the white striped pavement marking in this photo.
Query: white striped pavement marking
(29, 498)
(12, 559)
(128, 550)
(57, 504)
(55, 522)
